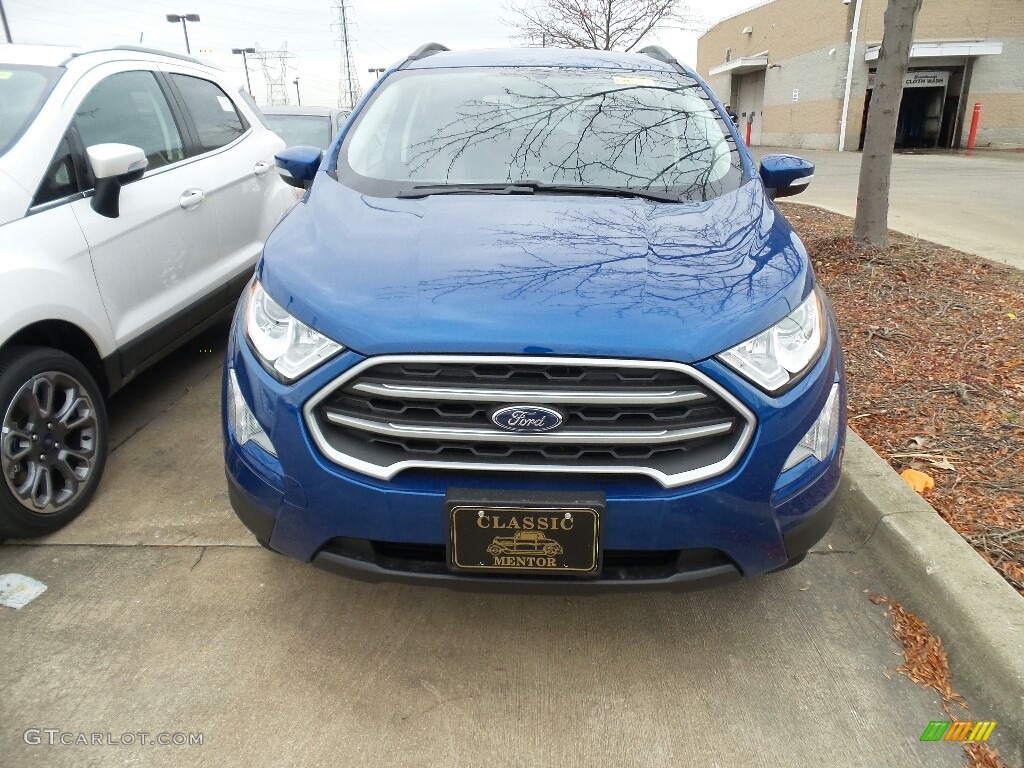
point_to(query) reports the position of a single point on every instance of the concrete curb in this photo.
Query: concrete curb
(940, 577)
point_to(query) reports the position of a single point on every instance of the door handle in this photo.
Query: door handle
(261, 168)
(190, 198)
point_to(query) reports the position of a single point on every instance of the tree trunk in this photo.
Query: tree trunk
(871, 227)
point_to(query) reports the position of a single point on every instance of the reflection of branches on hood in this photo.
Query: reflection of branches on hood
(611, 120)
(632, 257)
(495, 120)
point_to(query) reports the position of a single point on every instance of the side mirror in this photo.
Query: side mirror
(113, 165)
(785, 175)
(298, 165)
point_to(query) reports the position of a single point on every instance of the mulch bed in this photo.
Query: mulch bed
(935, 368)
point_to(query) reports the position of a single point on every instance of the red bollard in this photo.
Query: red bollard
(974, 128)
(750, 126)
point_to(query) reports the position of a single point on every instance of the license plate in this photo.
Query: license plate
(529, 537)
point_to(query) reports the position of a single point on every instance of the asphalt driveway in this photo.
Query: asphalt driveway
(163, 617)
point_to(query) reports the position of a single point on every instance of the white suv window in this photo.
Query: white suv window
(130, 108)
(60, 179)
(214, 115)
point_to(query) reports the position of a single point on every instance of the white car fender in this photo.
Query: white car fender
(14, 199)
(46, 274)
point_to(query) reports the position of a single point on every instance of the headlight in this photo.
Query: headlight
(821, 437)
(287, 347)
(776, 357)
(243, 423)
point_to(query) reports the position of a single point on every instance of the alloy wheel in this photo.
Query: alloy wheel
(49, 442)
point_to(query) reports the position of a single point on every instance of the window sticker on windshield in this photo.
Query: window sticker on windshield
(624, 80)
(225, 104)
(5, 75)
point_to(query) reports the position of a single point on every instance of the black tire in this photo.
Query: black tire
(53, 440)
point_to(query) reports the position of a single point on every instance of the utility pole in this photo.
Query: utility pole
(174, 18)
(849, 75)
(298, 96)
(3, 17)
(245, 63)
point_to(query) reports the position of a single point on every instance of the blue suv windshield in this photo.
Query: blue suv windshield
(571, 127)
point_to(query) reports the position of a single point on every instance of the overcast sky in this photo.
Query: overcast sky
(384, 31)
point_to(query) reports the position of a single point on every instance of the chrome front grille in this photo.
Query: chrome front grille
(664, 420)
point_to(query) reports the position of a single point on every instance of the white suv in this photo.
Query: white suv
(136, 191)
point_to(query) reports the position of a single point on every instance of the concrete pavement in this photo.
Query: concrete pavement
(974, 204)
(163, 616)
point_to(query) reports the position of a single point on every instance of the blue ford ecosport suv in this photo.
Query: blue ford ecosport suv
(536, 323)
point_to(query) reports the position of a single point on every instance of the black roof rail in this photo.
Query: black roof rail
(659, 53)
(427, 49)
(141, 49)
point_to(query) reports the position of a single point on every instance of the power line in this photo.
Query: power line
(141, 14)
(45, 19)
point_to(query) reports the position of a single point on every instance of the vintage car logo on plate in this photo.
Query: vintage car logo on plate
(526, 418)
(525, 548)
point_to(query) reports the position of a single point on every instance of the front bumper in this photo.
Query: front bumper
(359, 559)
(750, 520)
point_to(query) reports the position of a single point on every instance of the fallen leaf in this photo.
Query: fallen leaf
(924, 658)
(983, 756)
(919, 481)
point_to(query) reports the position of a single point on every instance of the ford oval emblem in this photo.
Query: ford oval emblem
(526, 418)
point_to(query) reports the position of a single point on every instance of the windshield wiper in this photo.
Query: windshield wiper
(426, 190)
(591, 189)
(529, 187)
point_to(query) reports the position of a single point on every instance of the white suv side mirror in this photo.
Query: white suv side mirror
(113, 165)
(109, 160)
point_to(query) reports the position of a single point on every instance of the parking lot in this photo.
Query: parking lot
(163, 616)
(969, 203)
(490, 314)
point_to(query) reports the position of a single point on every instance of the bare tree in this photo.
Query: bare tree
(597, 24)
(871, 226)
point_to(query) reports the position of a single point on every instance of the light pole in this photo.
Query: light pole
(3, 17)
(376, 70)
(174, 18)
(245, 63)
(298, 96)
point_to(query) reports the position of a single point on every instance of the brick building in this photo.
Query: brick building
(783, 68)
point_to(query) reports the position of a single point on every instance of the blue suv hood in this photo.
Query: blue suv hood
(537, 274)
